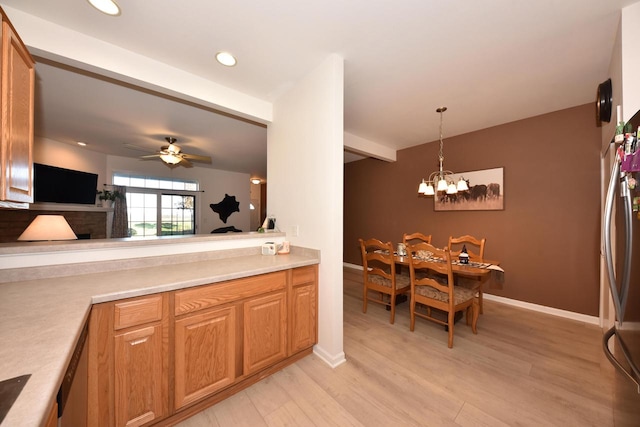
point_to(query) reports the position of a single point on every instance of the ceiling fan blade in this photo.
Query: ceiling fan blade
(150, 156)
(186, 163)
(196, 158)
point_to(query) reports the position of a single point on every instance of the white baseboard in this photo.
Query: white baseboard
(594, 320)
(354, 266)
(332, 360)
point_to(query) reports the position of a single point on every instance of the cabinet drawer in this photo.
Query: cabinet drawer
(201, 297)
(304, 275)
(137, 312)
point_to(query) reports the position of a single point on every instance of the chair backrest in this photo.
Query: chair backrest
(475, 247)
(426, 264)
(415, 238)
(377, 259)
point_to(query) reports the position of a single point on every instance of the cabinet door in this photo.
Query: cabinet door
(205, 352)
(18, 78)
(52, 418)
(265, 331)
(302, 324)
(139, 376)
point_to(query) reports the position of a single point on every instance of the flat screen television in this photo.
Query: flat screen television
(59, 185)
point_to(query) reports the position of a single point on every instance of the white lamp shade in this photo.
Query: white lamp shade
(429, 191)
(442, 184)
(451, 189)
(462, 185)
(48, 227)
(423, 187)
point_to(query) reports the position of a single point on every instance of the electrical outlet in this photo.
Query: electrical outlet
(294, 230)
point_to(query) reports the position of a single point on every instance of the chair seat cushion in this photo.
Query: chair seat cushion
(460, 294)
(402, 281)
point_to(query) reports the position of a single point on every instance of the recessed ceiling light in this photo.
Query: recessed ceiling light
(106, 6)
(225, 58)
(82, 144)
(255, 180)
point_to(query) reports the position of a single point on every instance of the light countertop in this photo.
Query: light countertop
(42, 319)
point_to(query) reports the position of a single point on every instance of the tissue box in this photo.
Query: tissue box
(269, 248)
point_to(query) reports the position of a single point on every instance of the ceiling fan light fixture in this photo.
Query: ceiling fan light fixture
(171, 158)
(108, 7)
(226, 59)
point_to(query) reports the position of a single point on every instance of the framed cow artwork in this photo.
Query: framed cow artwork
(485, 193)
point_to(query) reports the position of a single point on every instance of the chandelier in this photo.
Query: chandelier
(441, 180)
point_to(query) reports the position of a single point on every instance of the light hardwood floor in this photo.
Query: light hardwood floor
(522, 369)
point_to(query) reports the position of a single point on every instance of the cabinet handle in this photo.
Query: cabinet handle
(139, 341)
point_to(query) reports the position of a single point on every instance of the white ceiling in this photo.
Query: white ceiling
(490, 62)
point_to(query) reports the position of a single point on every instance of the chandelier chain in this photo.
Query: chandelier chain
(441, 154)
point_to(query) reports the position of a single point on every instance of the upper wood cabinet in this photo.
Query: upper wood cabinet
(17, 87)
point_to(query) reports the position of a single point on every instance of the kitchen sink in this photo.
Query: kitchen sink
(9, 391)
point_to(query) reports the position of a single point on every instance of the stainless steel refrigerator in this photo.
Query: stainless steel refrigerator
(621, 235)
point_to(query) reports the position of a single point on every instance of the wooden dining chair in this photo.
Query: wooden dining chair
(475, 249)
(379, 275)
(415, 238)
(435, 288)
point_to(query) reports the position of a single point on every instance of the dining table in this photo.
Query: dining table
(488, 272)
(484, 271)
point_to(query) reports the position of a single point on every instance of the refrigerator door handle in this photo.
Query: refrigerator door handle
(608, 253)
(628, 227)
(605, 345)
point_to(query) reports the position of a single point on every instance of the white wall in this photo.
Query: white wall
(50, 152)
(630, 60)
(215, 183)
(305, 176)
(606, 309)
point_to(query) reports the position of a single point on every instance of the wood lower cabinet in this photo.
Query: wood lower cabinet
(128, 362)
(158, 358)
(205, 354)
(303, 308)
(139, 374)
(52, 418)
(265, 331)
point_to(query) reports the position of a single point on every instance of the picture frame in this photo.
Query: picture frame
(486, 192)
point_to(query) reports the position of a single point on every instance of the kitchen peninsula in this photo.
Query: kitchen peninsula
(133, 289)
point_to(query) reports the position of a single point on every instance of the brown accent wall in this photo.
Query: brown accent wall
(547, 237)
(14, 222)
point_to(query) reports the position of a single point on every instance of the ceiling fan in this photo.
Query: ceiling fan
(172, 155)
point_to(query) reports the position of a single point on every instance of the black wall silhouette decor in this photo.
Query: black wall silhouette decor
(229, 229)
(226, 207)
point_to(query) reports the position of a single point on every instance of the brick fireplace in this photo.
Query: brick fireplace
(86, 223)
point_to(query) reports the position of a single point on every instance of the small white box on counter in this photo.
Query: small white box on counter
(269, 248)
